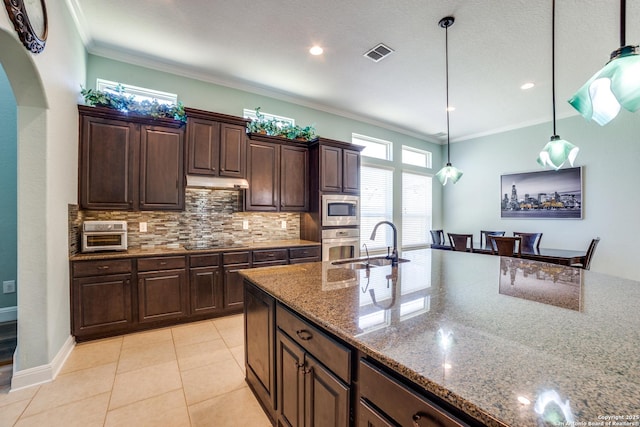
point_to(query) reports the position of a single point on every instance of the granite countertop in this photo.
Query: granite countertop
(181, 250)
(511, 342)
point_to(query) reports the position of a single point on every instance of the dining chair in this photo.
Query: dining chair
(589, 256)
(437, 236)
(484, 242)
(461, 242)
(505, 245)
(530, 241)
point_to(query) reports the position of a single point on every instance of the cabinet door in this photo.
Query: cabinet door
(351, 171)
(206, 290)
(203, 146)
(107, 164)
(233, 151)
(101, 305)
(259, 309)
(294, 179)
(162, 295)
(290, 382)
(161, 169)
(233, 292)
(326, 397)
(263, 160)
(369, 417)
(330, 168)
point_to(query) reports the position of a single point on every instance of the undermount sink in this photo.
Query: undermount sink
(360, 263)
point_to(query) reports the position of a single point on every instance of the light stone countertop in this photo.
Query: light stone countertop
(485, 333)
(163, 250)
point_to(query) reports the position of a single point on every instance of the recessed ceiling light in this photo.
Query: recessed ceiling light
(527, 85)
(316, 50)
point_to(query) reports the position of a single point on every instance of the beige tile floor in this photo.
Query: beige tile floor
(187, 375)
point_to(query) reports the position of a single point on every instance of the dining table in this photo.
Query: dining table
(550, 255)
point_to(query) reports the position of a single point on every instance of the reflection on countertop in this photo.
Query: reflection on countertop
(510, 341)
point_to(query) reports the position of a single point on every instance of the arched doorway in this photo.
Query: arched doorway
(31, 105)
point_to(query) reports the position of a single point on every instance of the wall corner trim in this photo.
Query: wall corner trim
(43, 373)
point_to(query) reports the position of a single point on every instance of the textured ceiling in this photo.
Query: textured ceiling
(494, 47)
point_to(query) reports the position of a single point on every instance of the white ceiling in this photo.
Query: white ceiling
(262, 45)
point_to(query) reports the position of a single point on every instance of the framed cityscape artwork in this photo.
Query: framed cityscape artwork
(547, 194)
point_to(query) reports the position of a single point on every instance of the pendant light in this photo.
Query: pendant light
(448, 173)
(557, 151)
(616, 85)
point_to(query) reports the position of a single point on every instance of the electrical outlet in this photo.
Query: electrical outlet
(8, 286)
(245, 224)
(143, 227)
(283, 225)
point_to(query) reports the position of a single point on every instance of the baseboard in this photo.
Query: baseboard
(44, 373)
(8, 314)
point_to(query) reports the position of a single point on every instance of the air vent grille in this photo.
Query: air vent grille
(379, 52)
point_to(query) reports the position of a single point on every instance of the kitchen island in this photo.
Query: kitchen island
(489, 340)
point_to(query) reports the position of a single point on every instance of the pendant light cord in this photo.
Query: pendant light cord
(623, 22)
(446, 62)
(553, 62)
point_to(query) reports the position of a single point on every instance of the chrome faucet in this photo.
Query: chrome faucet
(394, 254)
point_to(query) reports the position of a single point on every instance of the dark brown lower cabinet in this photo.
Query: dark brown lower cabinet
(308, 393)
(103, 304)
(259, 318)
(162, 295)
(233, 282)
(205, 284)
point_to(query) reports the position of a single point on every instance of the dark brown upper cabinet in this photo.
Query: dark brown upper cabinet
(339, 167)
(278, 175)
(130, 162)
(216, 144)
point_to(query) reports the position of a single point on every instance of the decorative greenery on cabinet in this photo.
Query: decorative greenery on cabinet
(275, 127)
(121, 101)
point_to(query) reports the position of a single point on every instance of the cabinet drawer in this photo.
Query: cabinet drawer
(306, 252)
(208, 260)
(270, 255)
(98, 268)
(161, 263)
(398, 402)
(235, 258)
(329, 352)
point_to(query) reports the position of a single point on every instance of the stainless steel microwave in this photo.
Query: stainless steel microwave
(104, 236)
(339, 210)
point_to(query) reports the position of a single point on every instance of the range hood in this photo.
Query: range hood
(196, 181)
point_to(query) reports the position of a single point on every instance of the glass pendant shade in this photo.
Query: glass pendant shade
(557, 152)
(449, 173)
(614, 86)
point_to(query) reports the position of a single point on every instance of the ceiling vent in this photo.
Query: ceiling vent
(378, 53)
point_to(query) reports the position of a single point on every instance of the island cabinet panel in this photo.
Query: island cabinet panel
(308, 393)
(162, 289)
(161, 169)
(396, 402)
(233, 283)
(129, 162)
(205, 283)
(369, 417)
(259, 318)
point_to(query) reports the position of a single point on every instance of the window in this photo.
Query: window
(416, 209)
(139, 93)
(415, 157)
(251, 114)
(376, 204)
(376, 148)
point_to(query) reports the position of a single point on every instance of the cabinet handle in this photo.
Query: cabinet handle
(127, 282)
(298, 365)
(307, 370)
(304, 335)
(222, 169)
(103, 267)
(419, 415)
(163, 262)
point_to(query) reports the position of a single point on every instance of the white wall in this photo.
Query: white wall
(610, 156)
(46, 87)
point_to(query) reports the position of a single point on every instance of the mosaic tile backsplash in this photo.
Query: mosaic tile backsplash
(210, 216)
